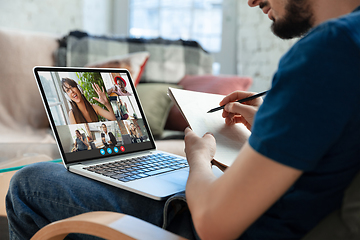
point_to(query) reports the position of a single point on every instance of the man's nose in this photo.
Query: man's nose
(254, 3)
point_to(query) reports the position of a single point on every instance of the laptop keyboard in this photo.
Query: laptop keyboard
(139, 167)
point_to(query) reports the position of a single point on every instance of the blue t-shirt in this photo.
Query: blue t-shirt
(310, 120)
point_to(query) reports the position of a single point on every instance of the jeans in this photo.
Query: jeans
(42, 193)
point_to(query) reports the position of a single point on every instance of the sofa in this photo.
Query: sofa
(25, 136)
(155, 64)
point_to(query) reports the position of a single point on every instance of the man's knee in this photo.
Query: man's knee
(31, 175)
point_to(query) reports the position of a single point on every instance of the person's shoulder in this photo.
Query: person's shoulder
(336, 37)
(344, 28)
(72, 117)
(348, 23)
(349, 26)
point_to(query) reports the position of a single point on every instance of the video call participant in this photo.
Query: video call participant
(124, 113)
(81, 110)
(107, 138)
(119, 87)
(80, 142)
(134, 134)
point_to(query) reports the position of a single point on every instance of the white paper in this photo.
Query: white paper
(194, 106)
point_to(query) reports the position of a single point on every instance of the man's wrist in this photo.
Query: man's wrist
(200, 161)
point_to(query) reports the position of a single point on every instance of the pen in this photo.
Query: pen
(239, 101)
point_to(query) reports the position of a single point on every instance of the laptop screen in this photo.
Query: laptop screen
(94, 113)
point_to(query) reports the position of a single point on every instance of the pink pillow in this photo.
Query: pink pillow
(134, 62)
(208, 84)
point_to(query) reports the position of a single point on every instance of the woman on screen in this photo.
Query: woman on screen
(81, 110)
(80, 142)
(119, 88)
(134, 134)
(124, 112)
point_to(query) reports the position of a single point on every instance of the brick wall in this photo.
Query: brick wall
(258, 49)
(50, 16)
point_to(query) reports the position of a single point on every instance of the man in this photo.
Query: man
(107, 138)
(301, 155)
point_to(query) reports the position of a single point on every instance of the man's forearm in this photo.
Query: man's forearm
(198, 190)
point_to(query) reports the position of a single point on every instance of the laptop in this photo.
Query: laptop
(102, 132)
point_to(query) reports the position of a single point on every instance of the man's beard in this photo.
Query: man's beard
(297, 21)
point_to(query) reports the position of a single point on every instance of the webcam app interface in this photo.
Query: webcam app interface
(95, 114)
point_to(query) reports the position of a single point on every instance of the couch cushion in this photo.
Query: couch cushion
(208, 84)
(156, 104)
(350, 209)
(343, 223)
(20, 102)
(222, 84)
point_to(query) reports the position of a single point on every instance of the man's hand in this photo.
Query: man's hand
(235, 112)
(199, 150)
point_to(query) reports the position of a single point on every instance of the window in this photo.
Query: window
(199, 20)
(59, 106)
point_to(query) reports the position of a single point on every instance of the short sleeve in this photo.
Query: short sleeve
(311, 100)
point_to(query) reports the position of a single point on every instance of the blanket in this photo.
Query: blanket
(169, 61)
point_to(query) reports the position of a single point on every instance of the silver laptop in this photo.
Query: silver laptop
(102, 133)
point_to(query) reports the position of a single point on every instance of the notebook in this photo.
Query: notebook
(102, 133)
(229, 139)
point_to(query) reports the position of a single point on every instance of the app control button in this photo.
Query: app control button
(109, 150)
(102, 151)
(116, 149)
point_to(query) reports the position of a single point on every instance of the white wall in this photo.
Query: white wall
(49, 16)
(97, 16)
(227, 56)
(258, 50)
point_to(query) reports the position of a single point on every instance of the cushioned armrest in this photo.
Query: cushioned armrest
(107, 225)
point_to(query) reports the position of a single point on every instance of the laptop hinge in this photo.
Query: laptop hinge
(112, 158)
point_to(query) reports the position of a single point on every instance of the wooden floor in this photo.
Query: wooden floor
(4, 232)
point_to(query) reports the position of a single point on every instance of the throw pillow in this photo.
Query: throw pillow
(208, 84)
(134, 62)
(215, 84)
(156, 104)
